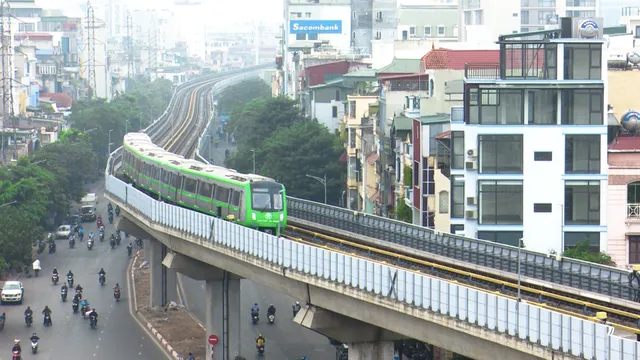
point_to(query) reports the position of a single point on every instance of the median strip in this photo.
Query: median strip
(172, 326)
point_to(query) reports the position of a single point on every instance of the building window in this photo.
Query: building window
(582, 203)
(457, 147)
(582, 107)
(313, 37)
(529, 61)
(455, 228)
(353, 35)
(412, 31)
(378, 15)
(542, 107)
(500, 202)
(378, 35)
(457, 196)
(581, 3)
(455, 30)
(334, 112)
(542, 208)
(495, 107)
(301, 36)
(583, 61)
(501, 237)
(582, 154)
(443, 202)
(571, 239)
(441, 30)
(307, 15)
(337, 95)
(427, 30)
(353, 15)
(524, 16)
(543, 156)
(500, 154)
(634, 249)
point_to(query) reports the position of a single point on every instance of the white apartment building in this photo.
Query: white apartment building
(484, 20)
(529, 152)
(27, 13)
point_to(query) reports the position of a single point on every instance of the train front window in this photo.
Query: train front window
(267, 197)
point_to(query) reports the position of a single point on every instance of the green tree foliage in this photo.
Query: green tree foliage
(583, 252)
(242, 93)
(287, 147)
(132, 111)
(41, 186)
(403, 212)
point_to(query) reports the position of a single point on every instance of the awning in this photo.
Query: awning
(443, 135)
(372, 158)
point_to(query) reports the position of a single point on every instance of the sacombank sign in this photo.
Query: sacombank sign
(315, 27)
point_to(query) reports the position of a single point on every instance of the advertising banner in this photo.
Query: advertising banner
(315, 27)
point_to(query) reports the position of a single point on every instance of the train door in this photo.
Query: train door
(222, 199)
(234, 204)
(204, 196)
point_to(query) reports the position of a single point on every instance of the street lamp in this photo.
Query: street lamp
(323, 181)
(254, 160)
(9, 203)
(109, 150)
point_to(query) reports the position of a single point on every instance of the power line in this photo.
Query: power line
(91, 47)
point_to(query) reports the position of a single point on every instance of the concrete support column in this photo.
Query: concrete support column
(380, 350)
(170, 285)
(223, 316)
(146, 245)
(156, 278)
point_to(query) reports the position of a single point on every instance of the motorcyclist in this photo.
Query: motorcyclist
(102, 274)
(46, 312)
(79, 291)
(190, 357)
(81, 231)
(296, 307)
(255, 310)
(91, 235)
(130, 248)
(271, 310)
(28, 312)
(70, 274)
(3, 317)
(260, 341)
(64, 288)
(84, 304)
(16, 346)
(55, 271)
(110, 207)
(93, 315)
(34, 338)
(112, 239)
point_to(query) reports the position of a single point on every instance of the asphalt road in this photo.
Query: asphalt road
(118, 335)
(285, 339)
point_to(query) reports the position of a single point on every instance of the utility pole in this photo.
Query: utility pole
(91, 47)
(153, 50)
(130, 54)
(7, 74)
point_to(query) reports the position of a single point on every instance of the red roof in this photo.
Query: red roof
(447, 59)
(61, 99)
(625, 143)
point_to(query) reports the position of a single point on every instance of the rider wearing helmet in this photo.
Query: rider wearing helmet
(16, 346)
(271, 310)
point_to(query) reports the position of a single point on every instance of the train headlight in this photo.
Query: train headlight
(282, 217)
(253, 216)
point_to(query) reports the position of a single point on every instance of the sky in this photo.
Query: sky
(223, 12)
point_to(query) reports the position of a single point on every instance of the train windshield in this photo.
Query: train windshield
(267, 197)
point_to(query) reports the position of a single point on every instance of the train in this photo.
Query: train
(250, 200)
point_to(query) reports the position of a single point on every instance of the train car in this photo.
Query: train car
(251, 200)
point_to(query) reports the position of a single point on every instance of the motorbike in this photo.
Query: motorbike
(16, 355)
(34, 346)
(129, 249)
(28, 320)
(272, 318)
(36, 269)
(74, 307)
(63, 295)
(116, 294)
(117, 210)
(54, 279)
(72, 243)
(83, 311)
(101, 279)
(81, 236)
(70, 281)
(254, 318)
(110, 218)
(118, 239)
(101, 237)
(112, 243)
(99, 223)
(52, 248)
(90, 244)
(92, 322)
(261, 350)
(47, 320)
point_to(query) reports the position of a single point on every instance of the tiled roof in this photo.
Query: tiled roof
(625, 143)
(447, 59)
(61, 99)
(401, 66)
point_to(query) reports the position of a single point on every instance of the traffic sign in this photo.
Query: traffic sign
(213, 339)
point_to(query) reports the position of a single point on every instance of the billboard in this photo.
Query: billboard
(315, 27)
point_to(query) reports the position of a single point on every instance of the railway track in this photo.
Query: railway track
(180, 135)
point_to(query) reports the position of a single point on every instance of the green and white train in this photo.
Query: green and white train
(250, 200)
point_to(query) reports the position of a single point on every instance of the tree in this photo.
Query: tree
(583, 252)
(403, 212)
(242, 93)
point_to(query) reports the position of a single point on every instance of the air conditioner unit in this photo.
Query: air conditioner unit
(471, 200)
(470, 165)
(471, 153)
(471, 215)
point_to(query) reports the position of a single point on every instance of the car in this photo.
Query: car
(12, 291)
(64, 231)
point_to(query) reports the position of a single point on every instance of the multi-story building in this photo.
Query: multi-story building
(426, 20)
(27, 13)
(372, 20)
(528, 156)
(483, 21)
(535, 14)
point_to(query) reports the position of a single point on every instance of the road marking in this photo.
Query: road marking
(99, 339)
(97, 346)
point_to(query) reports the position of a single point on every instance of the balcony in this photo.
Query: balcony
(482, 71)
(633, 211)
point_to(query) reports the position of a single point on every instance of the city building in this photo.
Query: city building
(428, 19)
(538, 13)
(538, 115)
(372, 20)
(27, 13)
(482, 21)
